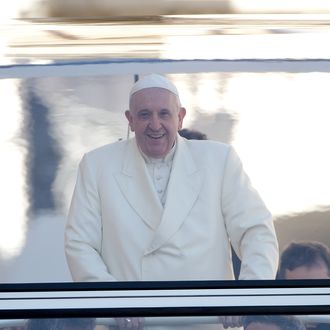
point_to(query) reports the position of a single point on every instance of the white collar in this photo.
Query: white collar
(166, 160)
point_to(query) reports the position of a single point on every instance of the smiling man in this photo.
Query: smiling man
(155, 116)
(158, 207)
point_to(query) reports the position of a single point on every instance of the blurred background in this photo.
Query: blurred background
(255, 74)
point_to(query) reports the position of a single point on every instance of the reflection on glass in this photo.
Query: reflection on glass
(281, 134)
(61, 324)
(14, 202)
(278, 122)
(282, 322)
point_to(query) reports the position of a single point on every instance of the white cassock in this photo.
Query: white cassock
(118, 228)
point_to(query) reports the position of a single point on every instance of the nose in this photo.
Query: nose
(155, 123)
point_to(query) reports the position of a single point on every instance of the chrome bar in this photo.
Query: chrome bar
(104, 68)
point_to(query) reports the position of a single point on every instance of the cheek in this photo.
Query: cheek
(139, 127)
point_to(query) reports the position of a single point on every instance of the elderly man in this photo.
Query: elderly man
(160, 207)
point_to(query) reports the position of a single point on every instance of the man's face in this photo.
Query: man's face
(262, 326)
(155, 117)
(317, 271)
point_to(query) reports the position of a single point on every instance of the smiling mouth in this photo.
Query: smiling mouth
(156, 136)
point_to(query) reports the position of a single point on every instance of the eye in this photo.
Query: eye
(164, 113)
(144, 114)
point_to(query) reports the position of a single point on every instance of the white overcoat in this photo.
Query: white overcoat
(118, 229)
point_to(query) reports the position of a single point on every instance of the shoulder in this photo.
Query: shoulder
(109, 155)
(107, 150)
(212, 154)
(207, 147)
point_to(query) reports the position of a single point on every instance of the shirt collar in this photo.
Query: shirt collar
(165, 160)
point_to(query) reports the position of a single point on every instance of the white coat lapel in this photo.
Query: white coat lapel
(136, 185)
(183, 190)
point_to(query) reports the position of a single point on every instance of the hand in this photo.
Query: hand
(230, 321)
(133, 323)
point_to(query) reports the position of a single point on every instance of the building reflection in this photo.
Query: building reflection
(43, 157)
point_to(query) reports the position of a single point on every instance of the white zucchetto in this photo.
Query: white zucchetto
(153, 80)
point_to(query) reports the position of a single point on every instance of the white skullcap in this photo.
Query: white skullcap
(153, 80)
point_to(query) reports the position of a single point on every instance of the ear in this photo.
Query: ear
(129, 117)
(181, 115)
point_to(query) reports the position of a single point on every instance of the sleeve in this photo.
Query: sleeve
(83, 232)
(249, 223)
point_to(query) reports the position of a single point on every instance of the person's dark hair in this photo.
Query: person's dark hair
(60, 324)
(307, 253)
(76, 323)
(41, 324)
(192, 134)
(284, 322)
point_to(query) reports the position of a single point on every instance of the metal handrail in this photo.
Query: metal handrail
(136, 66)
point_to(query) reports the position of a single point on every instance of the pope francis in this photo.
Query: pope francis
(160, 207)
